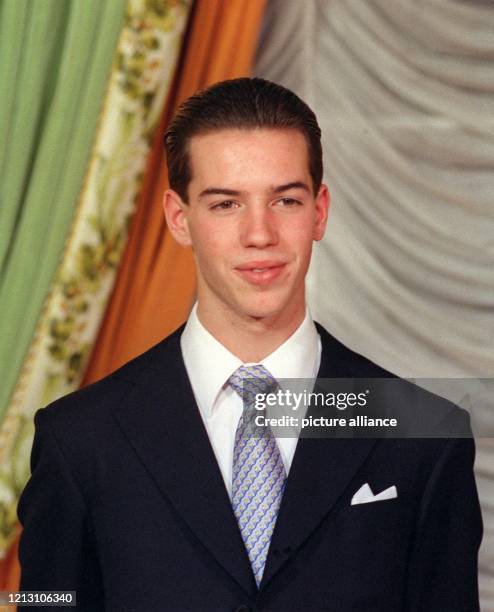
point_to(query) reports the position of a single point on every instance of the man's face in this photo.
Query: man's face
(251, 220)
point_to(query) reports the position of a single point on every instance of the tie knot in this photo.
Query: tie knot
(249, 381)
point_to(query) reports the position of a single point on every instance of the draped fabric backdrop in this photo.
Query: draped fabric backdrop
(155, 284)
(143, 64)
(404, 92)
(55, 58)
(54, 63)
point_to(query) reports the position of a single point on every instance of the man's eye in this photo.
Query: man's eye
(289, 202)
(226, 205)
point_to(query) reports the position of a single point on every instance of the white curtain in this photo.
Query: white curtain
(404, 93)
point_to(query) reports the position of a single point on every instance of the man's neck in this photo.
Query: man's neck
(248, 338)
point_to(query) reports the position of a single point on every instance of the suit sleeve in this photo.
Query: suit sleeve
(444, 562)
(56, 551)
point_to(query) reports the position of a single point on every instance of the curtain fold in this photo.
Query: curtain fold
(54, 63)
(156, 284)
(404, 94)
(143, 65)
(48, 51)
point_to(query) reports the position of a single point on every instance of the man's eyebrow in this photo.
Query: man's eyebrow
(293, 185)
(235, 193)
(219, 191)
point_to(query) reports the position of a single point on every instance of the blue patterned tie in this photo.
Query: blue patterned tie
(258, 472)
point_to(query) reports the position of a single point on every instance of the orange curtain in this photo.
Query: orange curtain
(155, 285)
(9, 570)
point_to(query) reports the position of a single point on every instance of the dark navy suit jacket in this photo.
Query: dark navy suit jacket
(127, 506)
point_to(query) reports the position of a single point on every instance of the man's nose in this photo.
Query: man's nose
(259, 228)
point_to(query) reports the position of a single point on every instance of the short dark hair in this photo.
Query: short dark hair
(245, 103)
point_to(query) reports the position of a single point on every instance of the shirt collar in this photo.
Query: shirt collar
(209, 364)
(298, 355)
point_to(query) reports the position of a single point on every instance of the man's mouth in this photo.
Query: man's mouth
(260, 272)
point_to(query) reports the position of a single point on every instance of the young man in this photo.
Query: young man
(146, 492)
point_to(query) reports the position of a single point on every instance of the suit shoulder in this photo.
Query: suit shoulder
(344, 362)
(94, 401)
(410, 401)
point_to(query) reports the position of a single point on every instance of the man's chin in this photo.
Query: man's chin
(260, 312)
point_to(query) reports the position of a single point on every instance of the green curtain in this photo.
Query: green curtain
(55, 59)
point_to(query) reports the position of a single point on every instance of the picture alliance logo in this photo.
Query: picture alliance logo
(286, 398)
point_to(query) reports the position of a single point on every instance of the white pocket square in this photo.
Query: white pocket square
(365, 495)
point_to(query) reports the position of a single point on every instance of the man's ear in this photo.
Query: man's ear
(322, 209)
(176, 217)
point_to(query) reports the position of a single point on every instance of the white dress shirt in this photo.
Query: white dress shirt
(209, 366)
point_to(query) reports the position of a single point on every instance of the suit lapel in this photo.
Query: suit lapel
(320, 472)
(163, 424)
